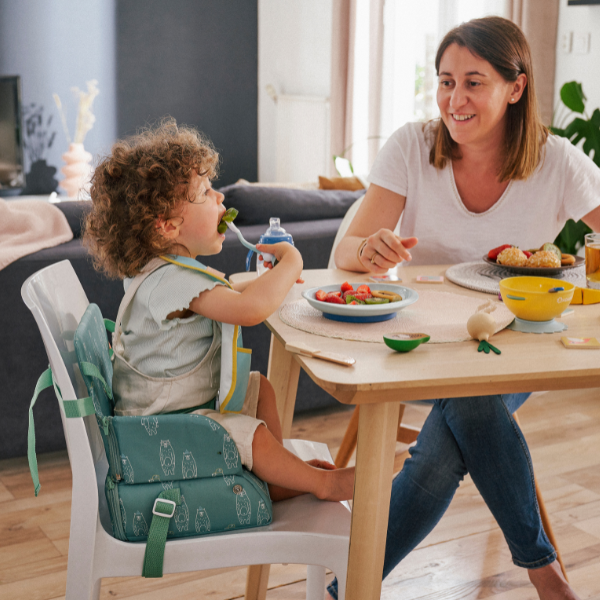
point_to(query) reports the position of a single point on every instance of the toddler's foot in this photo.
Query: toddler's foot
(338, 485)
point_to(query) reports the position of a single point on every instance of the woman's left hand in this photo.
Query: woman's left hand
(384, 250)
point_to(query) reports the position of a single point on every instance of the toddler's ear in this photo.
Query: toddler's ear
(167, 228)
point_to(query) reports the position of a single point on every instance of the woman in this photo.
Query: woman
(486, 173)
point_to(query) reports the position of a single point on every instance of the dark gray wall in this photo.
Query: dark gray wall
(195, 60)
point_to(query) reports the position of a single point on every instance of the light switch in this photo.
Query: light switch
(581, 43)
(565, 42)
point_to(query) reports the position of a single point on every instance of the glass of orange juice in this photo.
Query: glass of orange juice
(592, 260)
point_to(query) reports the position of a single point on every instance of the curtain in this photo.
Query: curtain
(539, 21)
(342, 76)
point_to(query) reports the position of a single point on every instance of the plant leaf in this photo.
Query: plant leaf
(573, 97)
(589, 131)
(572, 236)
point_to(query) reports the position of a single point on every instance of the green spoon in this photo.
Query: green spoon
(405, 342)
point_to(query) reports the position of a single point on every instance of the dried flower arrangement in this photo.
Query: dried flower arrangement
(85, 117)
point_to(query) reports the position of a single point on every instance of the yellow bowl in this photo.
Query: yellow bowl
(528, 297)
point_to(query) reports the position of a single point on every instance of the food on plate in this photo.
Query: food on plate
(543, 258)
(512, 257)
(385, 294)
(361, 295)
(547, 256)
(548, 247)
(493, 254)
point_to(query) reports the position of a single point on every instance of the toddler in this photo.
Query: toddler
(177, 342)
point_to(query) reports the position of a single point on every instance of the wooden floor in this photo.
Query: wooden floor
(464, 557)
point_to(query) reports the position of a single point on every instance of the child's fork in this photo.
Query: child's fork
(266, 257)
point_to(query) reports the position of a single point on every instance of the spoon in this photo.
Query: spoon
(266, 257)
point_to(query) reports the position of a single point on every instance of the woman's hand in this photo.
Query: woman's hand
(384, 250)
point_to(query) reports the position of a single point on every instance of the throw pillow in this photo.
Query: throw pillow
(340, 183)
(256, 205)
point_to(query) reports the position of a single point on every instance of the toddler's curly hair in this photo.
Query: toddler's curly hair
(144, 177)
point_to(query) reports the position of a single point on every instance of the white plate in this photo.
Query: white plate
(360, 311)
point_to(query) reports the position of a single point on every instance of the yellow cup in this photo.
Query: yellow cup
(529, 298)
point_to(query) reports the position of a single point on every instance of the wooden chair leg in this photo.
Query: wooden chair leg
(546, 519)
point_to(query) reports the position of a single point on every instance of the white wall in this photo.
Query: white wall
(572, 66)
(294, 56)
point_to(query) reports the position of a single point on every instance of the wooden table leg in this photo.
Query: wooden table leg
(377, 428)
(283, 373)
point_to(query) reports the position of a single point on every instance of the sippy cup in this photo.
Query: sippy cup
(273, 235)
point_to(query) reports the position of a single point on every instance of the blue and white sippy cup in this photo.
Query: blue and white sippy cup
(273, 235)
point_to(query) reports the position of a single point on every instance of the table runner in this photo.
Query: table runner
(442, 315)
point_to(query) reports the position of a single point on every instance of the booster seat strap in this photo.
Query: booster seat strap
(157, 536)
(81, 407)
(91, 370)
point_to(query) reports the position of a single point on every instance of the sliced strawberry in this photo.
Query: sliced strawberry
(526, 253)
(321, 295)
(348, 293)
(338, 294)
(363, 289)
(493, 254)
(354, 302)
(346, 287)
(362, 296)
(334, 299)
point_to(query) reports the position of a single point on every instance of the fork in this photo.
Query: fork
(266, 257)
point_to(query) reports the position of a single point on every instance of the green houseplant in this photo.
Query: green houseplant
(578, 129)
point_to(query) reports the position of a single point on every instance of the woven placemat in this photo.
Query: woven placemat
(442, 315)
(482, 277)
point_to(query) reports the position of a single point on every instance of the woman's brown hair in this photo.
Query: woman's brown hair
(144, 177)
(503, 45)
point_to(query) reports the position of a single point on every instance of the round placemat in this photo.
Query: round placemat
(484, 278)
(442, 315)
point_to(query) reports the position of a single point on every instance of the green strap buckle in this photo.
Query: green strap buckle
(163, 511)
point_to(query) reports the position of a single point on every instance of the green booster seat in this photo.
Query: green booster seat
(169, 475)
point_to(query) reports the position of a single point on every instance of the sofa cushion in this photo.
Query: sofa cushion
(256, 204)
(75, 212)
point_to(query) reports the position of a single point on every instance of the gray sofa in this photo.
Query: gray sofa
(311, 216)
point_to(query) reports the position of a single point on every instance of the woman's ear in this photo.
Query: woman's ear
(518, 88)
(168, 228)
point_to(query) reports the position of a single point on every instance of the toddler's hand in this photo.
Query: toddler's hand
(278, 250)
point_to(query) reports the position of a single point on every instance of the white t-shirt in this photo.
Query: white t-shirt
(566, 185)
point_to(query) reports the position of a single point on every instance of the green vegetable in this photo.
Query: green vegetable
(377, 301)
(228, 216)
(350, 299)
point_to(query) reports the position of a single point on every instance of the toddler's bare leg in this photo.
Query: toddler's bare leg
(280, 468)
(266, 409)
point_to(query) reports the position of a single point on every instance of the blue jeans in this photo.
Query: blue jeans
(474, 435)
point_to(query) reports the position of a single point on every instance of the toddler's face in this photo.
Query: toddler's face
(197, 219)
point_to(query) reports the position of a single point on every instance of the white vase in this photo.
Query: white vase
(77, 171)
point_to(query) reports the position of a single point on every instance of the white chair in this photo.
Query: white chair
(304, 530)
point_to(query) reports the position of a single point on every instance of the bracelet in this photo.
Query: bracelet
(361, 247)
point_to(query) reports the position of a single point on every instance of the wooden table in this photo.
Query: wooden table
(381, 378)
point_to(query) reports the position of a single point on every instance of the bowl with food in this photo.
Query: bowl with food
(545, 260)
(360, 302)
(536, 298)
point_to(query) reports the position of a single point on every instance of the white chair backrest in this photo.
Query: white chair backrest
(343, 228)
(55, 297)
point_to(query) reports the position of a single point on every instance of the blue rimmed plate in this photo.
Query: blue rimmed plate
(361, 313)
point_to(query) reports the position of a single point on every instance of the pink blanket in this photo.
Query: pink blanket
(27, 226)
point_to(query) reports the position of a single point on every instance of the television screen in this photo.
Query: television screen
(12, 176)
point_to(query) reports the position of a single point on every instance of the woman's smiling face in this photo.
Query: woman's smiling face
(473, 97)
